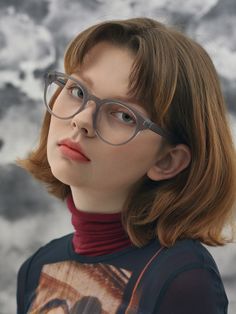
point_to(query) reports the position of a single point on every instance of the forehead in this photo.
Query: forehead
(107, 62)
(105, 71)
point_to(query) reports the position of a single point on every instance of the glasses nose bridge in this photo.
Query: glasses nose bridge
(95, 99)
(98, 103)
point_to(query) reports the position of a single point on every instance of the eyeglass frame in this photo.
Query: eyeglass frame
(143, 123)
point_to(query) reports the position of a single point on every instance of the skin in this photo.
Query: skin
(103, 184)
(56, 311)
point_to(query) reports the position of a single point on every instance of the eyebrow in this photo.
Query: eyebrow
(83, 78)
(131, 101)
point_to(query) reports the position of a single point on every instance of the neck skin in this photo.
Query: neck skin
(89, 200)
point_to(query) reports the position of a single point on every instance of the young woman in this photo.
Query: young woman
(137, 142)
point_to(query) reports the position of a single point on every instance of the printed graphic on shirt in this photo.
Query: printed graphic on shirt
(70, 287)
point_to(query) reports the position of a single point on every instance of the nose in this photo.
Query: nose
(83, 121)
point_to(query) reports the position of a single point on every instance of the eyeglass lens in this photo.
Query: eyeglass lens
(115, 123)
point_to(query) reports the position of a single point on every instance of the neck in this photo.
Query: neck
(97, 233)
(96, 201)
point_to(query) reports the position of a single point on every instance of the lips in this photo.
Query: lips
(72, 149)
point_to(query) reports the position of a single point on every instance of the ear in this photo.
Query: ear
(170, 163)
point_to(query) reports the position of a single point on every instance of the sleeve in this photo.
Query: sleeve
(29, 272)
(21, 286)
(193, 291)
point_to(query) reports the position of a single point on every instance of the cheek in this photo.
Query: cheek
(52, 139)
(56, 130)
(131, 161)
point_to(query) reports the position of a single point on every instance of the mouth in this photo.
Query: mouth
(72, 150)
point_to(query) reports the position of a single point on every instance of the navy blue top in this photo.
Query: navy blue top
(183, 279)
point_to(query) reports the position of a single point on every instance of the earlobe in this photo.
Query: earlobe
(172, 162)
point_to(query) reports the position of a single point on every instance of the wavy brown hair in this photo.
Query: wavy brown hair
(175, 79)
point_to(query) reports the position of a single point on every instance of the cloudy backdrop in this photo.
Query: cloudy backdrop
(33, 37)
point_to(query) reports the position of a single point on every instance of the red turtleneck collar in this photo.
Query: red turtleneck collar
(97, 234)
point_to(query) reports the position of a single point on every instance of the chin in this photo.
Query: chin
(66, 177)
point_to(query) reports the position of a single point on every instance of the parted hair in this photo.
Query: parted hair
(176, 81)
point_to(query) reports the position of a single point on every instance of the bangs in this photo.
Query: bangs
(153, 77)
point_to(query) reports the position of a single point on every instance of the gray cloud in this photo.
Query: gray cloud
(20, 195)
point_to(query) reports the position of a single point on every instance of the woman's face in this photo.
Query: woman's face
(105, 73)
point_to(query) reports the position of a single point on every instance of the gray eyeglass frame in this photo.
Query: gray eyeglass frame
(143, 123)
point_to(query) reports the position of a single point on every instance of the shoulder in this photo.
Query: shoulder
(190, 252)
(50, 252)
(29, 272)
(187, 277)
(184, 256)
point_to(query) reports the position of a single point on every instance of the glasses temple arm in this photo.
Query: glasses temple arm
(148, 124)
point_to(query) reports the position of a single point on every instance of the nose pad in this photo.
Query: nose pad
(83, 120)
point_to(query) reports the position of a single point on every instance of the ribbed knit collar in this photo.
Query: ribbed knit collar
(95, 233)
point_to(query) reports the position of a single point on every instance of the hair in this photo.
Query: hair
(176, 81)
(54, 304)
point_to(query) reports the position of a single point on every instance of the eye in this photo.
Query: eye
(125, 117)
(77, 92)
(61, 81)
(121, 114)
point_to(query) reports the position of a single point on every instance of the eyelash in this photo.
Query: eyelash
(70, 88)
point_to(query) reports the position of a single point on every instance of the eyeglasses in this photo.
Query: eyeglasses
(114, 121)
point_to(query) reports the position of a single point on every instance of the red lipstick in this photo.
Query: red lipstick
(72, 150)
